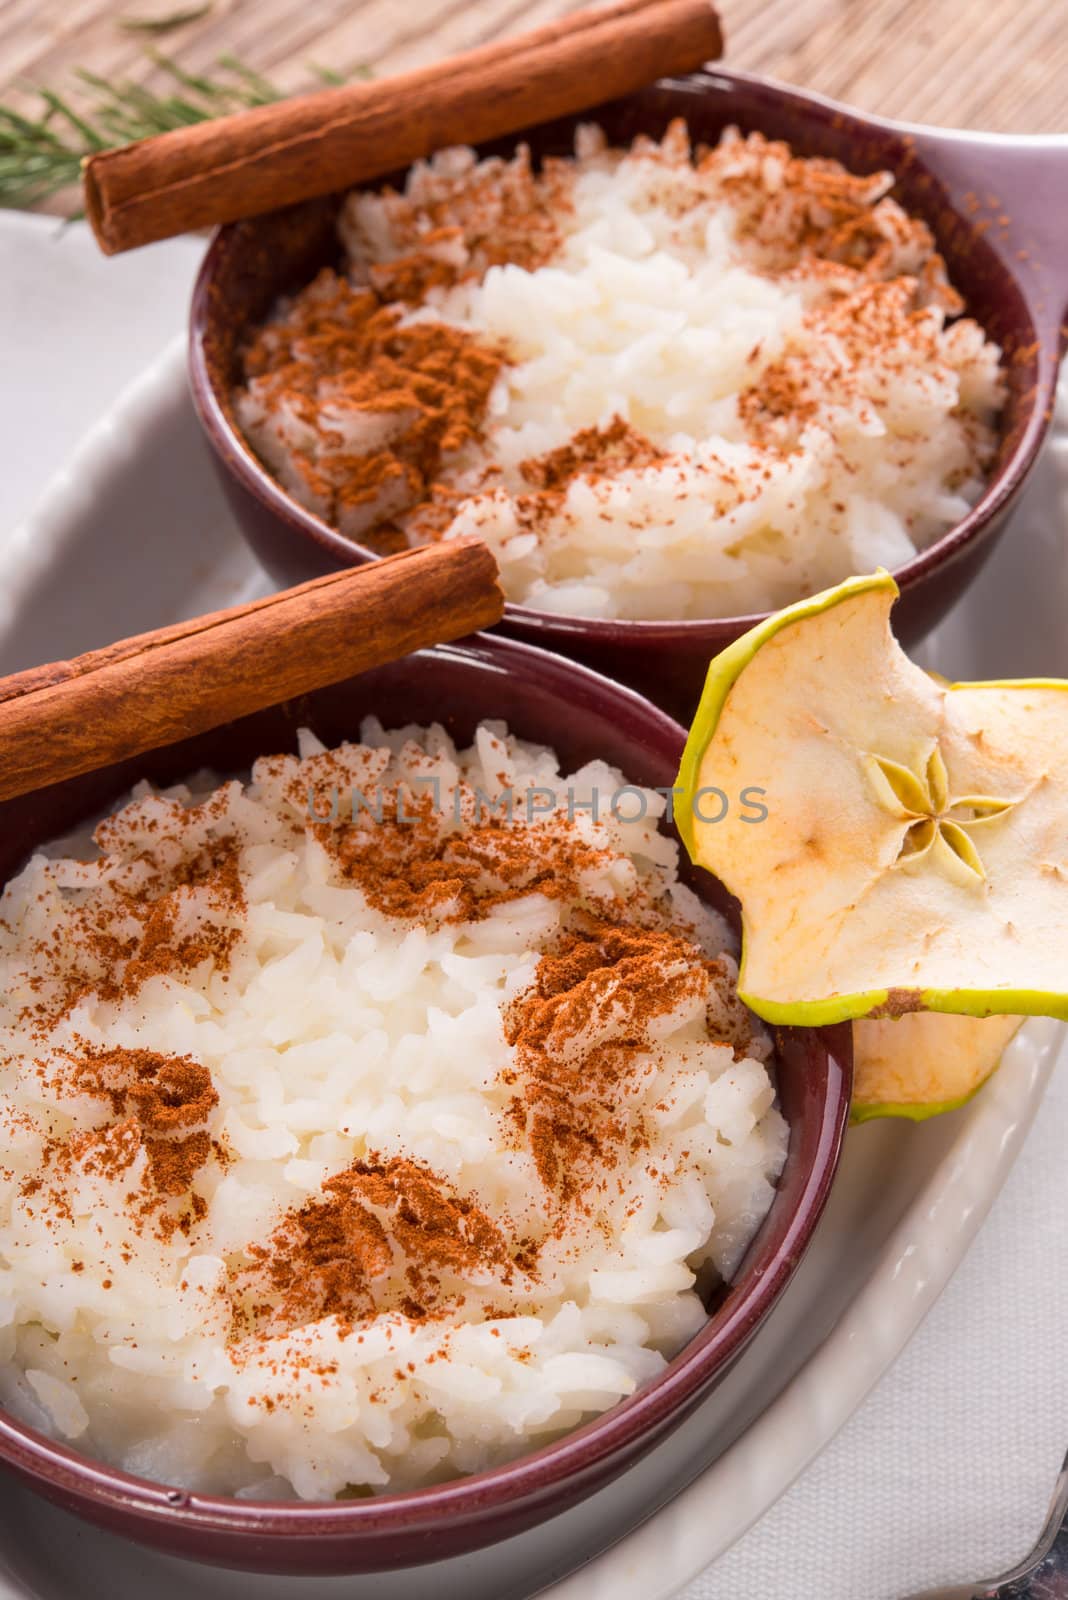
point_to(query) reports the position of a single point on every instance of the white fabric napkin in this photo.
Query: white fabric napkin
(945, 1471)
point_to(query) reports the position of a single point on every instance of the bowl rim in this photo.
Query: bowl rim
(241, 461)
(535, 1478)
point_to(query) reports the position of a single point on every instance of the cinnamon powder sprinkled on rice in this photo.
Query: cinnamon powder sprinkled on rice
(591, 451)
(393, 1235)
(571, 1101)
(169, 903)
(495, 214)
(135, 928)
(409, 867)
(386, 1233)
(416, 393)
(160, 1105)
(381, 421)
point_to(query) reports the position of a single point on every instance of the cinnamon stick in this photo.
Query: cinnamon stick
(255, 161)
(70, 717)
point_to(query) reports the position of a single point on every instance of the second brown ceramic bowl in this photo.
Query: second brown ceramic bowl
(991, 204)
(547, 700)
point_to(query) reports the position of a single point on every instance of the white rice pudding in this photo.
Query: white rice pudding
(659, 384)
(350, 1154)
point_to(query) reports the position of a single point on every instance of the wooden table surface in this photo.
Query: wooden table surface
(996, 64)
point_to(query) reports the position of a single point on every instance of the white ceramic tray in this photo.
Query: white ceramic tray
(134, 534)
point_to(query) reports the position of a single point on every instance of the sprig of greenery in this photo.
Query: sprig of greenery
(167, 23)
(42, 154)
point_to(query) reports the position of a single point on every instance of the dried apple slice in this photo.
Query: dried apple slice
(922, 1064)
(897, 843)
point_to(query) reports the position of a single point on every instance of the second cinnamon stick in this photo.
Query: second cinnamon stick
(76, 716)
(255, 161)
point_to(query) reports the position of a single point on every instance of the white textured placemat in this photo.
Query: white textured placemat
(945, 1471)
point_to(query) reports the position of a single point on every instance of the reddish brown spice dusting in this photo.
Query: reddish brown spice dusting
(835, 218)
(378, 1219)
(505, 213)
(137, 927)
(416, 393)
(410, 867)
(167, 1093)
(341, 352)
(888, 318)
(592, 452)
(158, 1104)
(386, 1234)
(571, 1106)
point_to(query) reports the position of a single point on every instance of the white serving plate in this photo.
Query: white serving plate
(134, 534)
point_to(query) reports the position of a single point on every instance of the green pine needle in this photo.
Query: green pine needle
(173, 19)
(42, 155)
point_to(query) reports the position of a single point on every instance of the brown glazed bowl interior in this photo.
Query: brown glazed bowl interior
(544, 699)
(992, 202)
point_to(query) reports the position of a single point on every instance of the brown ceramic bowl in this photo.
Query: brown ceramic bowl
(991, 202)
(545, 699)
